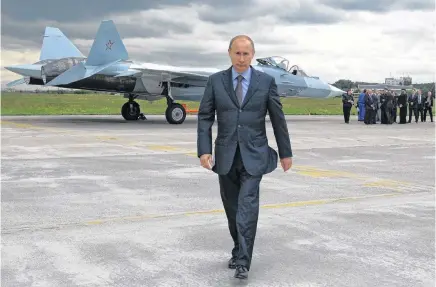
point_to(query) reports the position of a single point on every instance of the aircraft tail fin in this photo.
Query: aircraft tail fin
(56, 45)
(107, 47)
(107, 50)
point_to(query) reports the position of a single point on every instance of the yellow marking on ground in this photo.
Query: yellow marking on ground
(20, 125)
(388, 184)
(320, 173)
(194, 154)
(266, 206)
(326, 201)
(31, 126)
(163, 147)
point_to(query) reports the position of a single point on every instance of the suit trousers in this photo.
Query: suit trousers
(411, 111)
(369, 116)
(430, 111)
(346, 110)
(240, 196)
(403, 115)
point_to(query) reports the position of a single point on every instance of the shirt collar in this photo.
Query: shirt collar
(246, 74)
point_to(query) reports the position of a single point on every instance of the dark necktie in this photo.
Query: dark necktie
(239, 89)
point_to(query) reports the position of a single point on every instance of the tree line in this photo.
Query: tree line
(344, 84)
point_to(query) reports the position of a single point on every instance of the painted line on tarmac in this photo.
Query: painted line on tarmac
(319, 202)
(31, 127)
(266, 206)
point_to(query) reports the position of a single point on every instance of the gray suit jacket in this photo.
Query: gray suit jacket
(243, 125)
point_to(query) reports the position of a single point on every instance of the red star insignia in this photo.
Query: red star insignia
(109, 45)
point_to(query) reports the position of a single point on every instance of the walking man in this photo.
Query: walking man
(241, 97)
(347, 103)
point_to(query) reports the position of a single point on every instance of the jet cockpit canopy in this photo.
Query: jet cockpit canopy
(281, 63)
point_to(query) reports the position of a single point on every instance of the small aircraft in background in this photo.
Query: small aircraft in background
(108, 68)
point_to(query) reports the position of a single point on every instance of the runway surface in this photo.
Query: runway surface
(98, 201)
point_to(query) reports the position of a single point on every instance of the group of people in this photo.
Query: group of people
(382, 105)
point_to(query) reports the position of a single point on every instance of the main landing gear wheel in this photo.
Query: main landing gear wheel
(131, 111)
(175, 113)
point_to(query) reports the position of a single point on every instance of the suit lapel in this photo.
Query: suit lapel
(252, 87)
(228, 85)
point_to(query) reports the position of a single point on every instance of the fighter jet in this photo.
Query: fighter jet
(108, 68)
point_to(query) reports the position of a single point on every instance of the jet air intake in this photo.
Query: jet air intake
(53, 69)
(33, 81)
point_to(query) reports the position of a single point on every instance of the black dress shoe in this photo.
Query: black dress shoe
(241, 272)
(232, 263)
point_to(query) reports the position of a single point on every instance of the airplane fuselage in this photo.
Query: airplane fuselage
(149, 86)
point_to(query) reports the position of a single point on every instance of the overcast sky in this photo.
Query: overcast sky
(333, 39)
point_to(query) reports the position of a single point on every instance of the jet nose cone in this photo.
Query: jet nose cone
(335, 92)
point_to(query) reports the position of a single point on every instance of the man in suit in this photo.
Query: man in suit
(428, 106)
(418, 105)
(378, 117)
(369, 108)
(394, 106)
(411, 100)
(376, 100)
(402, 103)
(241, 97)
(347, 103)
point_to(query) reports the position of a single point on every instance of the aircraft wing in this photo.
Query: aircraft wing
(173, 75)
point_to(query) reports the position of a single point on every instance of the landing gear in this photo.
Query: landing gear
(175, 112)
(131, 110)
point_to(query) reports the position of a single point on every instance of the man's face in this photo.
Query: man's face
(241, 53)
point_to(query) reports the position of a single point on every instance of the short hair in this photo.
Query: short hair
(241, 37)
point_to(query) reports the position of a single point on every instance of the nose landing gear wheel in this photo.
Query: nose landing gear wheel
(175, 114)
(131, 111)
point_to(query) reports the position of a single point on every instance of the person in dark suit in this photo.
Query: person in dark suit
(369, 107)
(394, 106)
(389, 107)
(428, 104)
(347, 103)
(418, 106)
(411, 100)
(241, 97)
(376, 100)
(402, 104)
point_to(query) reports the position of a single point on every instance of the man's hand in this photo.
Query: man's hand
(206, 161)
(286, 163)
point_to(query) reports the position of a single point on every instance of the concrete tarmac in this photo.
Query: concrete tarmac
(98, 201)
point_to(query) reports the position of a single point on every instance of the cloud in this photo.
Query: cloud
(381, 6)
(288, 11)
(77, 10)
(321, 36)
